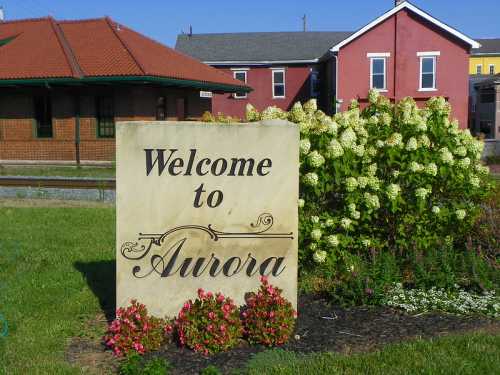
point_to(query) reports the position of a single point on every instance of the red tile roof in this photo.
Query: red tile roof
(85, 49)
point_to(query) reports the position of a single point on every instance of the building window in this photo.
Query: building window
(377, 73)
(315, 84)
(492, 69)
(240, 75)
(479, 69)
(278, 83)
(427, 72)
(161, 108)
(105, 117)
(43, 116)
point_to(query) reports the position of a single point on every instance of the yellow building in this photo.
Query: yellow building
(485, 60)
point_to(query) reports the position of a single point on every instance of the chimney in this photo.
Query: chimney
(398, 2)
(2, 15)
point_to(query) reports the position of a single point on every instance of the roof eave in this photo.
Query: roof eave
(260, 62)
(211, 86)
(406, 5)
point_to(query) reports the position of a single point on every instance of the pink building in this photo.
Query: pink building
(404, 52)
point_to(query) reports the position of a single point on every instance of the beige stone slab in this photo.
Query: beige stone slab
(253, 230)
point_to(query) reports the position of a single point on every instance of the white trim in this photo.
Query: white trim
(240, 69)
(489, 68)
(421, 13)
(429, 53)
(277, 68)
(384, 89)
(282, 70)
(244, 71)
(434, 87)
(378, 54)
(479, 65)
(260, 62)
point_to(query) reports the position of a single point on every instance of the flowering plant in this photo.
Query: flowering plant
(389, 177)
(210, 324)
(268, 319)
(134, 330)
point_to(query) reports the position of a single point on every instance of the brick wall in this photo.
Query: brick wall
(18, 140)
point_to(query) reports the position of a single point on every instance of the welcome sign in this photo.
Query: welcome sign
(205, 206)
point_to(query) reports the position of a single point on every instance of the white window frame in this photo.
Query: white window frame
(489, 69)
(433, 56)
(378, 56)
(245, 72)
(278, 70)
(480, 66)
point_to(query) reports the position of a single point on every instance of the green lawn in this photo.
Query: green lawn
(48, 258)
(466, 354)
(57, 274)
(62, 171)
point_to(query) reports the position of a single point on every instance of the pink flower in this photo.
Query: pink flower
(209, 294)
(201, 293)
(220, 298)
(211, 315)
(222, 328)
(264, 279)
(226, 307)
(186, 306)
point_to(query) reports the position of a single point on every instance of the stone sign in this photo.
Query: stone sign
(205, 206)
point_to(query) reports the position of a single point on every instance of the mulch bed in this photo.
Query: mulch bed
(323, 327)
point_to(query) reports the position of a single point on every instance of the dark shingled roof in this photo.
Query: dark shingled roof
(487, 46)
(259, 46)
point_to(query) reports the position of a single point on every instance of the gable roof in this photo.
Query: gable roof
(45, 50)
(259, 47)
(488, 47)
(414, 9)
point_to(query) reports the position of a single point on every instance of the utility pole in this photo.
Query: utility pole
(304, 23)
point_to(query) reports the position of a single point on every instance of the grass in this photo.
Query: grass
(58, 274)
(61, 171)
(465, 354)
(57, 271)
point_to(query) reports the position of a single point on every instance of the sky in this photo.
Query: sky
(164, 19)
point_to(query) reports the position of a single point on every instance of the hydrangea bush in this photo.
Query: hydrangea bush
(210, 324)
(268, 319)
(386, 178)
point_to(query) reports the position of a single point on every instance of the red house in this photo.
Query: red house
(404, 52)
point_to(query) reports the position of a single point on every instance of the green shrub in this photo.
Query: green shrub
(134, 364)
(268, 319)
(210, 370)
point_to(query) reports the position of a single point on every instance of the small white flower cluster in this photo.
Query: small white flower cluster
(422, 193)
(372, 201)
(319, 256)
(460, 214)
(393, 191)
(304, 146)
(456, 301)
(335, 149)
(311, 179)
(315, 159)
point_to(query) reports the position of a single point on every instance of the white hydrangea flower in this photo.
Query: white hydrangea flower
(436, 210)
(359, 150)
(335, 149)
(372, 201)
(374, 183)
(446, 156)
(311, 179)
(380, 143)
(313, 246)
(315, 159)
(355, 215)
(482, 169)
(332, 240)
(366, 242)
(297, 113)
(351, 207)
(373, 96)
(311, 106)
(251, 113)
(422, 193)
(329, 223)
(412, 144)
(351, 184)
(372, 169)
(464, 163)
(395, 173)
(316, 234)
(461, 151)
(393, 191)
(421, 124)
(362, 181)
(319, 256)
(347, 138)
(460, 214)
(424, 141)
(333, 127)
(415, 167)
(474, 181)
(386, 118)
(394, 140)
(301, 203)
(371, 151)
(345, 222)
(304, 146)
(431, 169)
(315, 219)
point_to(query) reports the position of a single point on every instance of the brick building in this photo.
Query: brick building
(64, 84)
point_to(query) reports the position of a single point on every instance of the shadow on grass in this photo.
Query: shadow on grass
(101, 279)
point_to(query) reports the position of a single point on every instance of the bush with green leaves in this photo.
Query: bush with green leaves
(389, 178)
(135, 364)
